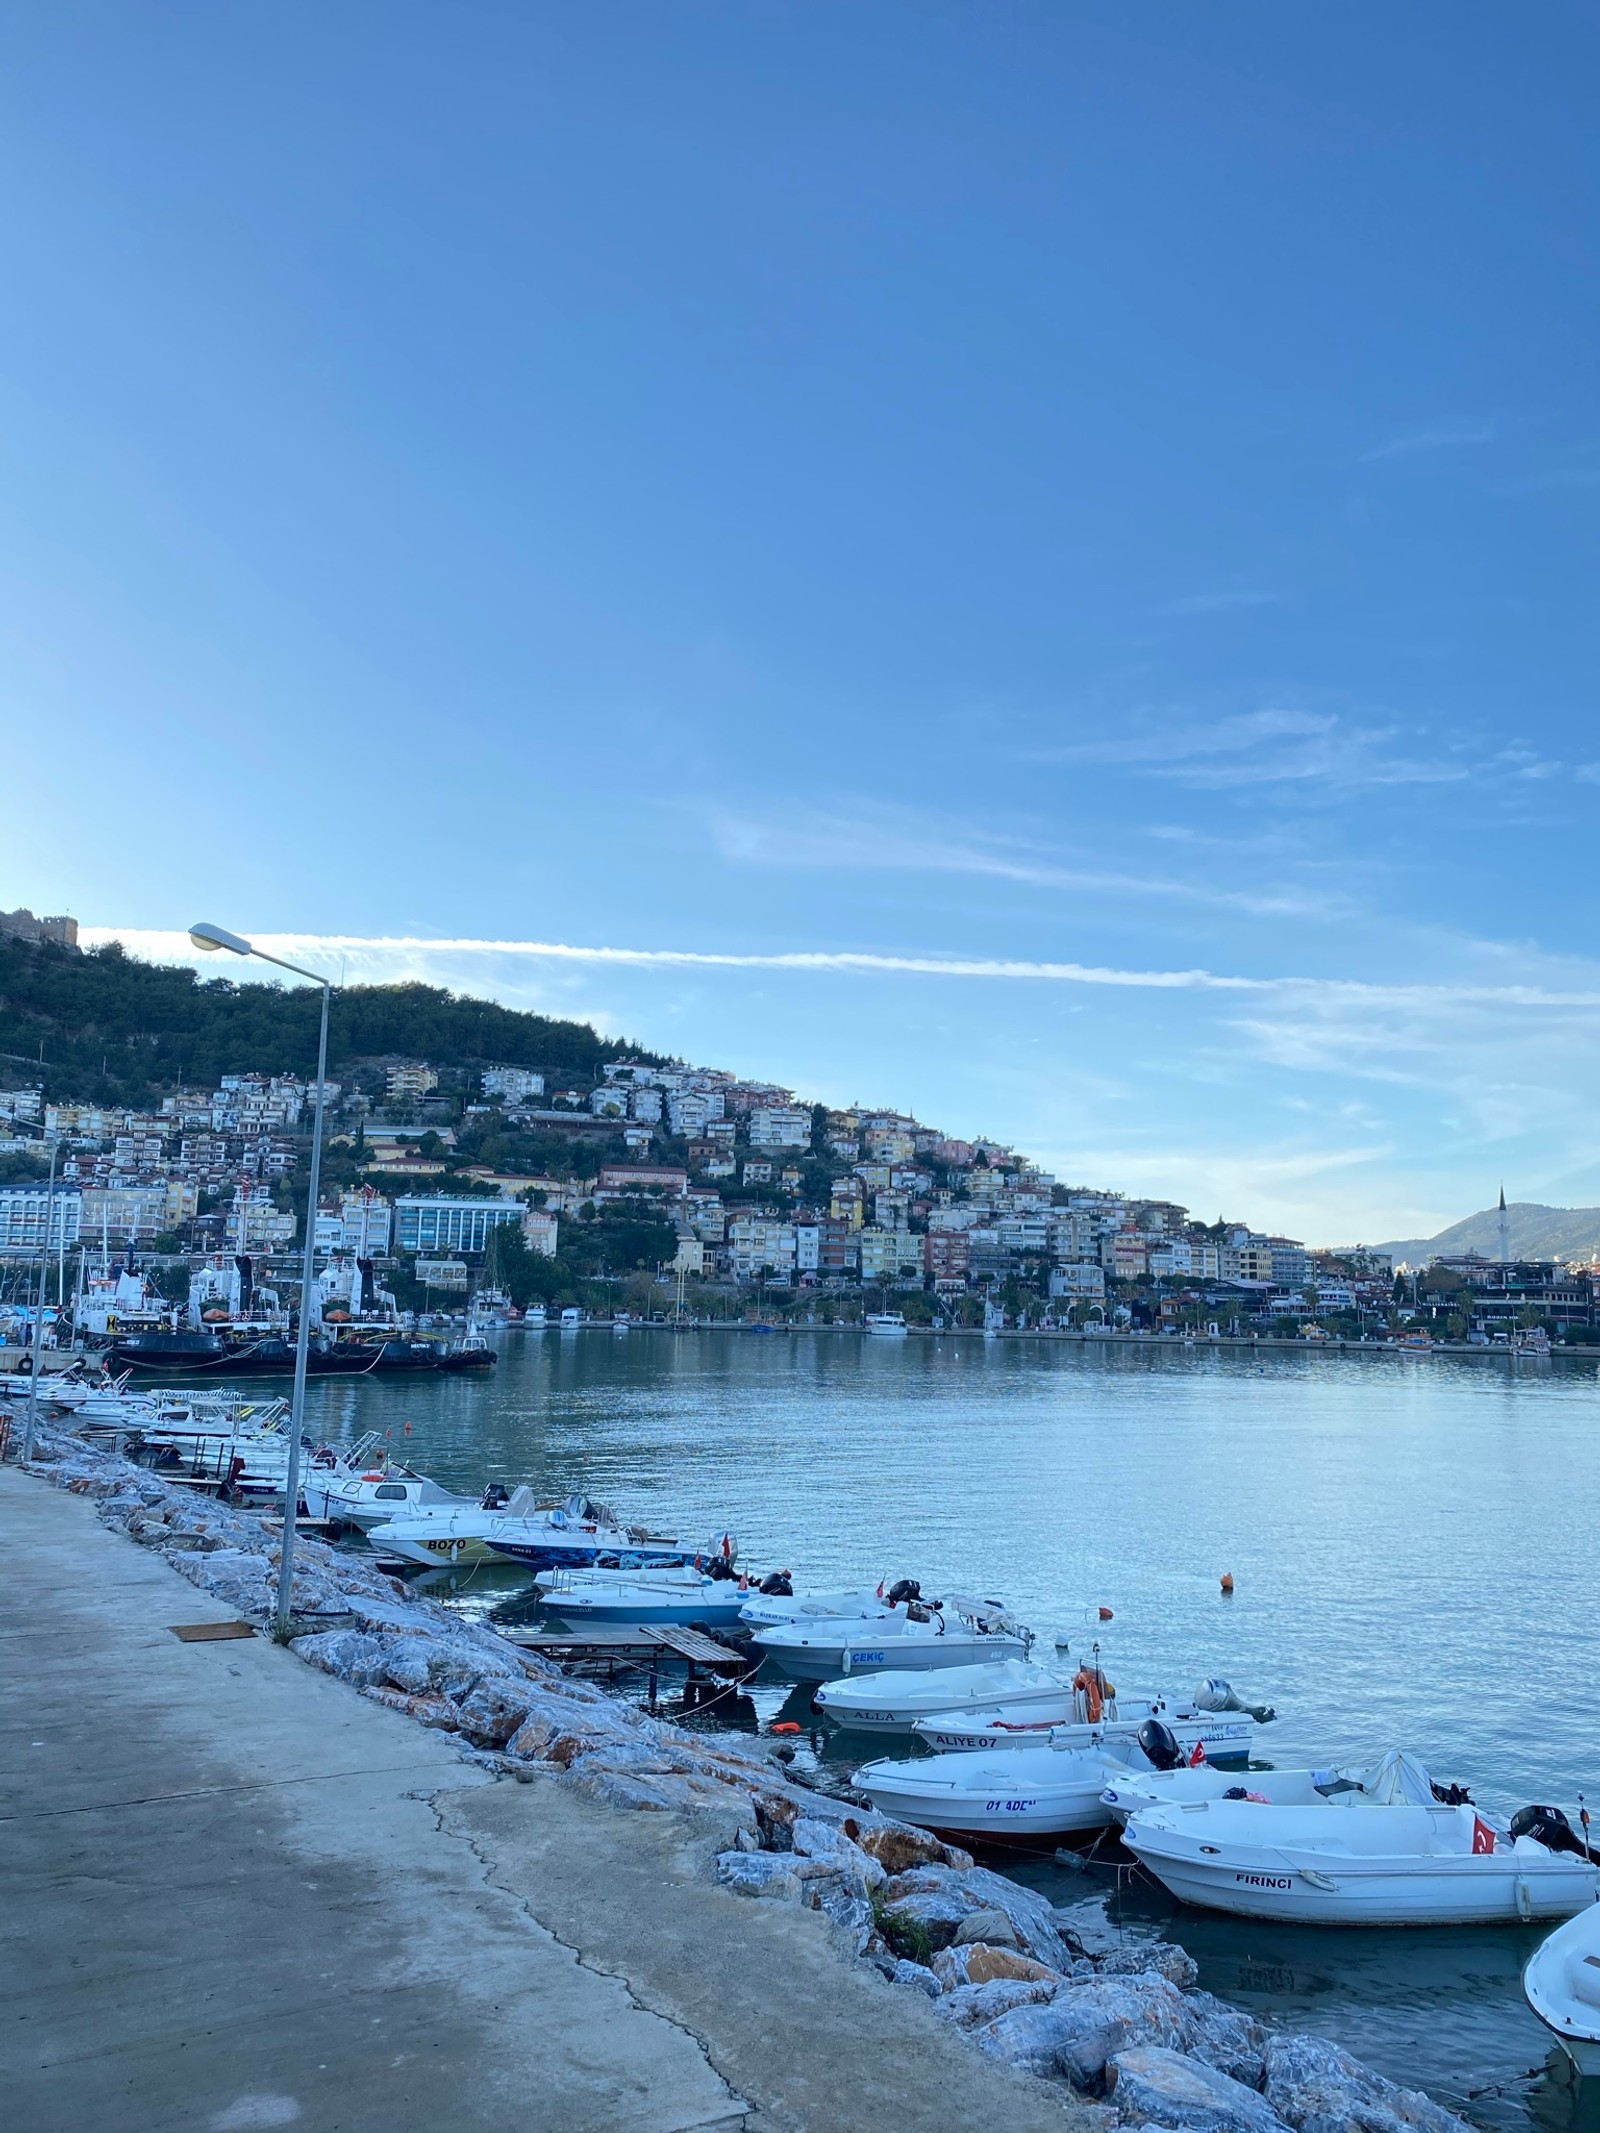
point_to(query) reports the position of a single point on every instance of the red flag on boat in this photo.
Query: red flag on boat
(880, 1588)
(1482, 1835)
(1197, 1754)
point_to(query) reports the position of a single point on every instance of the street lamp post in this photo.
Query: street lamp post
(38, 1315)
(211, 938)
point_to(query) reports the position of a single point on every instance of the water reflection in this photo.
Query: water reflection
(1412, 1545)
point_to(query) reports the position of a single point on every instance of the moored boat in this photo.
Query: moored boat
(1394, 1779)
(1375, 1866)
(1225, 1736)
(528, 1529)
(956, 1632)
(1037, 1798)
(683, 1595)
(1562, 1985)
(894, 1700)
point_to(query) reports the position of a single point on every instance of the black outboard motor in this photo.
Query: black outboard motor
(904, 1589)
(720, 1568)
(1549, 1827)
(1160, 1744)
(777, 1584)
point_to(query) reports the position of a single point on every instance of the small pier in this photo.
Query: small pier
(614, 1644)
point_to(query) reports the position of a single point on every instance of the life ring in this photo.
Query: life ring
(1095, 1689)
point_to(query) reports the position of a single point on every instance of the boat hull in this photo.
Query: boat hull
(1561, 1984)
(1325, 1885)
(807, 1660)
(1002, 1801)
(1225, 1738)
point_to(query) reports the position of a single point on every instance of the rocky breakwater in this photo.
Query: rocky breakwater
(1126, 2029)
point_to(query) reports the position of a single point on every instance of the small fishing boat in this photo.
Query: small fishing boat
(471, 1352)
(1562, 1986)
(526, 1528)
(955, 1632)
(641, 1596)
(1397, 1778)
(1374, 1866)
(1225, 1736)
(773, 1610)
(1036, 1798)
(893, 1701)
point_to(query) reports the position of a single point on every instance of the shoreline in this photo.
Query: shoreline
(906, 1916)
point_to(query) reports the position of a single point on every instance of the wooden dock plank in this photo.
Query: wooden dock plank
(616, 1641)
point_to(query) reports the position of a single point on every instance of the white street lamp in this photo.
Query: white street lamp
(211, 938)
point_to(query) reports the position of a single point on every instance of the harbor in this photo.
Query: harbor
(675, 1432)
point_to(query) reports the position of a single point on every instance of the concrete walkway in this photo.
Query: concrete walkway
(239, 1895)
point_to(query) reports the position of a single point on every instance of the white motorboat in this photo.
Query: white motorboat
(1562, 1986)
(1375, 1866)
(546, 1535)
(773, 1610)
(1226, 1736)
(641, 1596)
(893, 1701)
(959, 1632)
(1397, 1778)
(536, 1318)
(1035, 1798)
(360, 1487)
(892, 1323)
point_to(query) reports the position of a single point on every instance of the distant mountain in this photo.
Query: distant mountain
(1536, 1233)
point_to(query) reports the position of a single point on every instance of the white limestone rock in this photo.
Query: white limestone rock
(973, 2006)
(1318, 2088)
(1085, 2024)
(1166, 2088)
(916, 1975)
(759, 1874)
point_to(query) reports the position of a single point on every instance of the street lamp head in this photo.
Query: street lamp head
(211, 938)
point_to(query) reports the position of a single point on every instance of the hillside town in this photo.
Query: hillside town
(670, 1190)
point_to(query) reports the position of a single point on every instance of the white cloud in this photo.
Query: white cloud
(893, 841)
(1428, 441)
(1218, 603)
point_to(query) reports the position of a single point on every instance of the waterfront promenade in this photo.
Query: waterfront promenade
(241, 1896)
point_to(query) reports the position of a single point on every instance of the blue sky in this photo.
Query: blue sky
(1104, 498)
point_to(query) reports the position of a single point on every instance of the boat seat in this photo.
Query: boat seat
(1583, 1979)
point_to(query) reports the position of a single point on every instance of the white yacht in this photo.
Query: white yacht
(528, 1528)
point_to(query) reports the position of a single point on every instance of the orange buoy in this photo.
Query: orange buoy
(785, 1725)
(1227, 1583)
(1105, 1614)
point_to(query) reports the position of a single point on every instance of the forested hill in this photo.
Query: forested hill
(106, 1028)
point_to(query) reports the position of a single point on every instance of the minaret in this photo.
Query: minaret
(1505, 1229)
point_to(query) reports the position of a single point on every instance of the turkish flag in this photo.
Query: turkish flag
(1482, 1835)
(1198, 1754)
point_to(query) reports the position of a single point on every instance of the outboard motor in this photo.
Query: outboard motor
(1217, 1695)
(777, 1584)
(904, 1589)
(1160, 1744)
(720, 1568)
(494, 1498)
(1547, 1826)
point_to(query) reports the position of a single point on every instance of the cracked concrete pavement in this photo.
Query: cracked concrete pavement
(243, 1896)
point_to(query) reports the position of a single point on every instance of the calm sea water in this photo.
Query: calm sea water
(1412, 1543)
